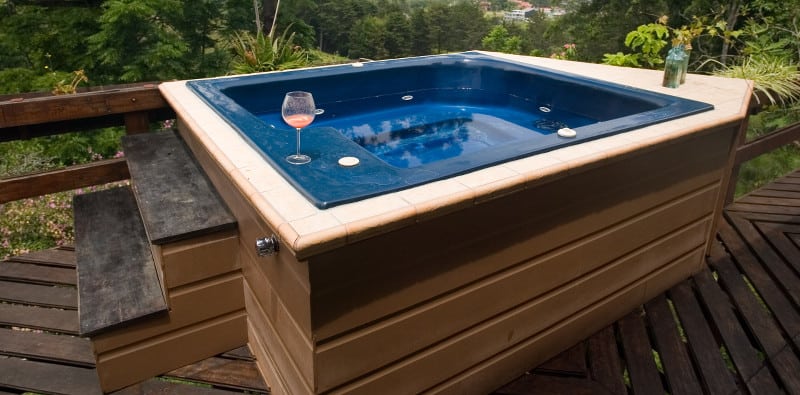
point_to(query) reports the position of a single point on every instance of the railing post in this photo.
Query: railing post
(733, 176)
(137, 122)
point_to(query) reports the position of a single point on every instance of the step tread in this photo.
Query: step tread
(117, 279)
(175, 197)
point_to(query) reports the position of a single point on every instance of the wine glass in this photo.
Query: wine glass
(298, 111)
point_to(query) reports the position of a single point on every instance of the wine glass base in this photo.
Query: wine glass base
(298, 159)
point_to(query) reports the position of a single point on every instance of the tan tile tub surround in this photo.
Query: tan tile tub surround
(460, 285)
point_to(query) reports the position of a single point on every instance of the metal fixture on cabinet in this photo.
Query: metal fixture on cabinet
(266, 246)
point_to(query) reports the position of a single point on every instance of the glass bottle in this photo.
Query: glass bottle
(687, 51)
(673, 67)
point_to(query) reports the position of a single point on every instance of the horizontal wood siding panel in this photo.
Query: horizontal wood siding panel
(270, 308)
(159, 355)
(270, 350)
(266, 366)
(200, 258)
(196, 303)
(506, 331)
(288, 276)
(367, 281)
(391, 339)
(502, 368)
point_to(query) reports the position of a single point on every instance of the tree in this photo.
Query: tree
(600, 26)
(45, 39)
(335, 20)
(500, 40)
(420, 33)
(367, 39)
(398, 35)
(137, 41)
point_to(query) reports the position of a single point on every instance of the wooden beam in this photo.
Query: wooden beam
(76, 125)
(767, 143)
(73, 177)
(38, 110)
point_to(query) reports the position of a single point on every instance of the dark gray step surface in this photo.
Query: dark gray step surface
(117, 279)
(175, 197)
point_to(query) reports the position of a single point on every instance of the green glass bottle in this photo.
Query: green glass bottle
(673, 67)
(687, 52)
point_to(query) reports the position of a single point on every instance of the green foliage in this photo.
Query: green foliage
(18, 157)
(319, 58)
(771, 29)
(35, 224)
(398, 39)
(600, 27)
(334, 20)
(622, 59)
(367, 38)
(137, 41)
(649, 40)
(21, 157)
(259, 52)
(46, 37)
(763, 169)
(565, 52)
(775, 78)
(500, 40)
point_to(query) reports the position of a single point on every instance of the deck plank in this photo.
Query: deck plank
(542, 384)
(46, 346)
(759, 321)
(571, 362)
(778, 236)
(741, 351)
(714, 373)
(62, 257)
(763, 208)
(779, 303)
(116, 271)
(777, 193)
(229, 373)
(39, 295)
(45, 377)
(39, 274)
(64, 321)
(675, 358)
(782, 186)
(604, 361)
(774, 202)
(159, 386)
(644, 375)
(163, 195)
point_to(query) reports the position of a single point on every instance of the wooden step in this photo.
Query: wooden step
(176, 199)
(117, 278)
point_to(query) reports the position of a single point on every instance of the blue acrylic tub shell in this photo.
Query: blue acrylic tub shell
(480, 79)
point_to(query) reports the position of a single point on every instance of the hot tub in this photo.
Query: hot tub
(462, 283)
(417, 120)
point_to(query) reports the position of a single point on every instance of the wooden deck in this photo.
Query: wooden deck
(733, 328)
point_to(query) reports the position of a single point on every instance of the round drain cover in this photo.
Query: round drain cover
(567, 132)
(348, 161)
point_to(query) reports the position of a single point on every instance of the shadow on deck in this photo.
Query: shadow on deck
(733, 328)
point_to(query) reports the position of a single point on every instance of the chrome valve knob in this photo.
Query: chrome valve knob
(266, 246)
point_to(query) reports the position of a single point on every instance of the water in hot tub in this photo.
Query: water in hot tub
(416, 132)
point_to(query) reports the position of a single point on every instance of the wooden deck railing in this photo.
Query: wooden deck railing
(26, 116)
(136, 107)
(747, 150)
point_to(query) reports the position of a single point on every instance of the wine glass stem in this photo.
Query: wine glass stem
(298, 141)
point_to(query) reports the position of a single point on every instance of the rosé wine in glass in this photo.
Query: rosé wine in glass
(298, 111)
